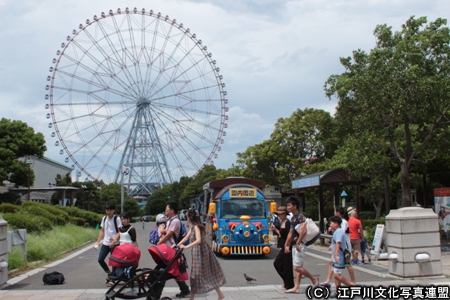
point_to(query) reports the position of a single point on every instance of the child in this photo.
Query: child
(365, 250)
(338, 245)
(156, 233)
(206, 273)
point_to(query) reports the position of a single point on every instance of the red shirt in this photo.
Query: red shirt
(354, 226)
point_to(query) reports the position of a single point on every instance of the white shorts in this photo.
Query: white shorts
(337, 270)
(297, 257)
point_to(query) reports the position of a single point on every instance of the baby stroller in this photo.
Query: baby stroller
(124, 260)
(146, 282)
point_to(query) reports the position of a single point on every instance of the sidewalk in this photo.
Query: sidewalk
(250, 292)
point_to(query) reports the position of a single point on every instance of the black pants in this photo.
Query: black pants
(283, 265)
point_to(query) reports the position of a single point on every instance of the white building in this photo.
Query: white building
(45, 171)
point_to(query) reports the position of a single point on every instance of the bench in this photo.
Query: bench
(323, 237)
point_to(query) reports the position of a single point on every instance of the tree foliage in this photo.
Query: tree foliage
(399, 92)
(18, 140)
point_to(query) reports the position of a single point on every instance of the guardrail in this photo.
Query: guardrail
(323, 237)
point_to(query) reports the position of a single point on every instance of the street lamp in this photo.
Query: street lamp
(30, 163)
(232, 165)
(254, 163)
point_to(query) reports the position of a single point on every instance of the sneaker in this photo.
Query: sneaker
(183, 294)
(325, 285)
(357, 262)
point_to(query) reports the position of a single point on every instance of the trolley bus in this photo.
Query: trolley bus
(238, 216)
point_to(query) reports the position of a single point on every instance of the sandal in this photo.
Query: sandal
(107, 280)
(110, 283)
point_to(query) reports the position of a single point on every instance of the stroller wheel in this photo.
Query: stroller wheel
(166, 298)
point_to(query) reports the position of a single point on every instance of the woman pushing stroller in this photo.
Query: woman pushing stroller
(206, 272)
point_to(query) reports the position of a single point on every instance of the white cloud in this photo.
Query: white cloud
(275, 55)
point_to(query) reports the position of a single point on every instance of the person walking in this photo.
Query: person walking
(283, 261)
(109, 228)
(127, 233)
(170, 236)
(294, 244)
(341, 213)
(356, 234)
(206, 272)
(338, 245)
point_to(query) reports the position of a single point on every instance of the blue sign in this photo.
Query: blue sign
(306, 182)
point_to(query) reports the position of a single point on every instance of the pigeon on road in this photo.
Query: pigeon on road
(249, 279)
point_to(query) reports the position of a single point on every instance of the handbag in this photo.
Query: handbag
(182, 263)
(312, 231)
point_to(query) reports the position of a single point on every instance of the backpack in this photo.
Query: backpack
(53, 278)
(183, 232)
(347, 254)
(115, 222)
(154, 236)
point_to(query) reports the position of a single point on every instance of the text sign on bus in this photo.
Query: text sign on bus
(243, 193)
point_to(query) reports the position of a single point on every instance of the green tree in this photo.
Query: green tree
(131, 207)
(399, 92)
(18, 140)
(195, 187)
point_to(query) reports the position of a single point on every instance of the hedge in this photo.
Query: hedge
(77, 221)
(39, 211)
(90, 217)
(370, 227)
(51, 208)
(9, 208)
(32, 223)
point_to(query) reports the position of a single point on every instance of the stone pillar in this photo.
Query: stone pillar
(3, 251)
(413, 241)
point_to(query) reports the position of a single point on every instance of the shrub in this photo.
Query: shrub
(77, 221)
(51, 208)
(370, 226)
(366, 215)
(39, 211)
(32, 223)
(9, 197)
(90, 217)
(9, 208)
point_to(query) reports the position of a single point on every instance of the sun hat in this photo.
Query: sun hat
(350, 209)
(160, 218)
(281, 210)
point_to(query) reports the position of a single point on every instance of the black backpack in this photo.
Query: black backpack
(53, 278)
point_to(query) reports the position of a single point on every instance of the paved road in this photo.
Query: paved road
(82, 271)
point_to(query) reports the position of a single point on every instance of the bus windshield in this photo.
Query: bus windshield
(233, 209)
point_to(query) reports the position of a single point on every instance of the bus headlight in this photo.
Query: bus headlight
(225, 239)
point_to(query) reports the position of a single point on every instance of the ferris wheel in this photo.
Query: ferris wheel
(137, 91)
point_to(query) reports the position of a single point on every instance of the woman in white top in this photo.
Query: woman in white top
(127, 233)
(342, 213)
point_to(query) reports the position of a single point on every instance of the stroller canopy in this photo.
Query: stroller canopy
(166, 257)
(125, 255)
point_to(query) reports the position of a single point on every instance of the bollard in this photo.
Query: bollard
(3, 251)
(413, 242)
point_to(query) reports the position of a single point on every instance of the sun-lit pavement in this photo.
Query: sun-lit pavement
(382, 283)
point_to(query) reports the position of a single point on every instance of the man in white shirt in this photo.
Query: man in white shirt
(106, 242)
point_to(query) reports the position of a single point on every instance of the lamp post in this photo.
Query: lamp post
(232, 165)
(84, 187)
(30, 163)
(254, 163)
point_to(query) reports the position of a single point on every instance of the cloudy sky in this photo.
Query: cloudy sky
(275, 55)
